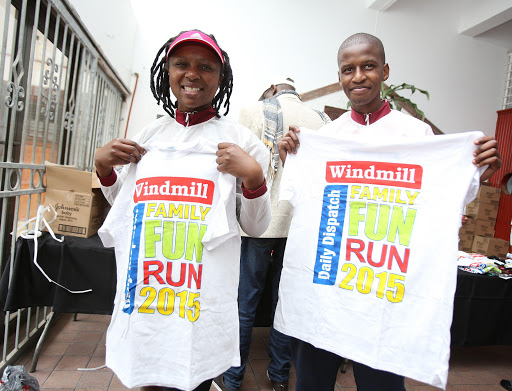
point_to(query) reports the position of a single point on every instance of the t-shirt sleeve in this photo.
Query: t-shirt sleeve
(254, 214)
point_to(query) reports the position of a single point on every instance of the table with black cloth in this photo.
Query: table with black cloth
(76, 263)
(482, 311)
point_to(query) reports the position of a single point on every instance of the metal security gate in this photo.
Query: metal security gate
(57, 105)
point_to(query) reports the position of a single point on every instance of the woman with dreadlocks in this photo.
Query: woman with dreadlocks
(186, 180)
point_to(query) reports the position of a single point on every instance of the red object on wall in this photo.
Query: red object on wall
(504, 137)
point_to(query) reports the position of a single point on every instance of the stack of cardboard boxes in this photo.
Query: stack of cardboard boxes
(478, 235)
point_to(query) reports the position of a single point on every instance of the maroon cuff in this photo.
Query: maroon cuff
(108, 180)
(250, 194)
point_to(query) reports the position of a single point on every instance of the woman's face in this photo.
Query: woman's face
(195, 74)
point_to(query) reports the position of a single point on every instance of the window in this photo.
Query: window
(507, 100)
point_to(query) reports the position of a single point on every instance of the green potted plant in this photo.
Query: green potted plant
(397, 101)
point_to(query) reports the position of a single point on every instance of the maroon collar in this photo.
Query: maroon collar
(368, 119)
(196, 117)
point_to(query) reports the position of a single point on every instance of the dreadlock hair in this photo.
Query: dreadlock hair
(161, 88)
(360, 38)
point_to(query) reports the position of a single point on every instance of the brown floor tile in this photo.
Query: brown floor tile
(81, 349)
(259, 365)
(345, 380)
(100, 350)
(89, 336)
(45, 363)
(63, 379)
(490, 377)
(62, 336)
(263, 380)
(71, 363)
(462, 387)
(117, 385)
(95, 379)
(54, 348)
(412, 382)
(249, 380)
(41, 376)
(97, 361)
(473, 377)
(454, 377)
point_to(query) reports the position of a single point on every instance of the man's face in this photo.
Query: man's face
(361, 73)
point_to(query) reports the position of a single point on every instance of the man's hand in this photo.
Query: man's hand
(234, 160)
(117, 152)
(487, 154)
(289, 143)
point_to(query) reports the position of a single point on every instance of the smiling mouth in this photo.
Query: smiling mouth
(191, 89)
(359, 89)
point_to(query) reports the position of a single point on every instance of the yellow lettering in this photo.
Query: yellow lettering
(160, 211)
(412, 197)
(150, 237)
(402, 226)
(150, 209)
(354, 189)
(355, 217)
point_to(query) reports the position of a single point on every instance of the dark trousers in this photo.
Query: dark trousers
(259, 256)
(317, 369)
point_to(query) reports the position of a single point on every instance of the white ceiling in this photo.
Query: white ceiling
(488, 20)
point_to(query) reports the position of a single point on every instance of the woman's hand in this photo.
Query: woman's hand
(117, 152)
(234, 160)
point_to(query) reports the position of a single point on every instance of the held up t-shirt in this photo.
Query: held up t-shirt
(370, 263)
(177, 244)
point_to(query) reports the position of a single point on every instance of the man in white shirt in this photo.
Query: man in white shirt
(362, 69)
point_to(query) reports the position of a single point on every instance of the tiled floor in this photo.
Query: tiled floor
(71, 345)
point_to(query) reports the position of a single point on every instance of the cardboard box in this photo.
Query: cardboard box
(488, 194)
(482, 211)
(78, 200)
(466, 242)
(498, 247)
(490, 246)
(484, 228)
(468, 228)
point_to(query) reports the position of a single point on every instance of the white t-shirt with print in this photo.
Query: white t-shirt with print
(370, 263)
(177, 244)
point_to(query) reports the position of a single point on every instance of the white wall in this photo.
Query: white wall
(300, 38)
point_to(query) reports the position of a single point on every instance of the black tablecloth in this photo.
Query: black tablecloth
(482, 313)
(76, 263)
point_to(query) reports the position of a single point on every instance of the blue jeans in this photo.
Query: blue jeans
(317, 369)
(257, 256)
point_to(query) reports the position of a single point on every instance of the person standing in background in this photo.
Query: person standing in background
(278, 107)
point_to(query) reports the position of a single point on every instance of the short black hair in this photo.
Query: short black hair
(360, 38)
(161, 88)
